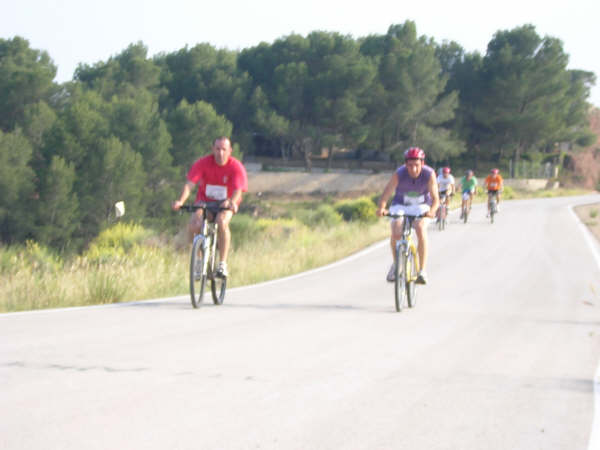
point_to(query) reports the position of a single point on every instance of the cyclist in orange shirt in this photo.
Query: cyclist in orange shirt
(495, 184)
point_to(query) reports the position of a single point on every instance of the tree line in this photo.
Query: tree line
(129, 127)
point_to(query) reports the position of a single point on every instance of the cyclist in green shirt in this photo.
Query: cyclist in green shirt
(468, 185)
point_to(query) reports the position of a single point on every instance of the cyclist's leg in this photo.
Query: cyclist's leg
(421, 229)
(224, 234)
(195, 225)
(396, 234)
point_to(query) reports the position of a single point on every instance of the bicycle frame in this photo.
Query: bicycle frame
(407, 259)
(492, 204)
(208, 235)
(467, 198)
(442, 212)
(207, 240)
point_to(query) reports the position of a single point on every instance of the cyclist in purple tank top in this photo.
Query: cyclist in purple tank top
(415, 190)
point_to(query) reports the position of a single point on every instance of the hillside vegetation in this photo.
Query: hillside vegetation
(128, 128)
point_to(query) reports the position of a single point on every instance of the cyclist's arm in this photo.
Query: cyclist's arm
(389, 189)
(435, 196)
(185, 193)
(234, 201)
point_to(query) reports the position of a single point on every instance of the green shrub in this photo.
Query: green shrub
(122, 235)
(323, 215)
(508, 193)
(39, 258)
(244, 228)
(114, 242)
(362, 209)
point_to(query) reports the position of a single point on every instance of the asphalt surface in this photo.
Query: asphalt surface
(500, 352)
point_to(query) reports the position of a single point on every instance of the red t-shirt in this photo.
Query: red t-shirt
(217, 182)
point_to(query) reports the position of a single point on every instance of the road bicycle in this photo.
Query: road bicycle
(406, 264)
(442, 213)
(204, 257)
(493, 204)
(466, 207)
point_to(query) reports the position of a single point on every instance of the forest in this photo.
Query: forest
(128, 128)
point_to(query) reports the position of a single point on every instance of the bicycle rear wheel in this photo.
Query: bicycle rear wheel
(400, 279)
(443, 216)
(198, 271)
(218, 285)
(411, 278)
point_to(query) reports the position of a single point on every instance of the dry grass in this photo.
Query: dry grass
(32, 277)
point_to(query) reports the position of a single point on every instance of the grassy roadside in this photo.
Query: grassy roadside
(273, 237)
(128, 262)
(590, 216)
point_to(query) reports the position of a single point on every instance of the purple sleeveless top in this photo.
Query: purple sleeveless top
(413, 190)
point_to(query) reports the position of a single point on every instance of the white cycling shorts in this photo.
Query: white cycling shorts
(411, 210)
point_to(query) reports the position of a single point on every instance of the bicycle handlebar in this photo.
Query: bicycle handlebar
(214, 206)
(410, 216)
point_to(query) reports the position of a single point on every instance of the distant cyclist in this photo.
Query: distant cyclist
(495, 184)
(446, 185)
(468, 185)
(415, 192)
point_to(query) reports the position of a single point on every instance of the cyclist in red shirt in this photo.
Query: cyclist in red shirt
(220, 177)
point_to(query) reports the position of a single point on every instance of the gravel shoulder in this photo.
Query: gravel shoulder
(590, 216)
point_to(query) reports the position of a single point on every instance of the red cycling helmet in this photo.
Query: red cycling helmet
(446, 170)
(414, 153)
(495, 171)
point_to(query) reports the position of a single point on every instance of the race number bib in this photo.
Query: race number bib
(412, 198)
(216, 192)
(493, 184)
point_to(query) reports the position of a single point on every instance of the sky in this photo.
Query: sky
(83, 31)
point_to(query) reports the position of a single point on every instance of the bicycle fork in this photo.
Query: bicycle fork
(205, 247)
(213, 249)
(401, 250)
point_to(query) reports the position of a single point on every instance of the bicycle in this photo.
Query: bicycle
(493, 204)
(466, 207)
(203, 260)
(406, 262)
(442, 213)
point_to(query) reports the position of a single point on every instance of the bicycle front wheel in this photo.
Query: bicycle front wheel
(400, 279)
(218, 284)
(197, 271)
(411, 278)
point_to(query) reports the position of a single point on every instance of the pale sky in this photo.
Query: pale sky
(82, 31)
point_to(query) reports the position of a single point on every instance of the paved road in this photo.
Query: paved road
(500, 353)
